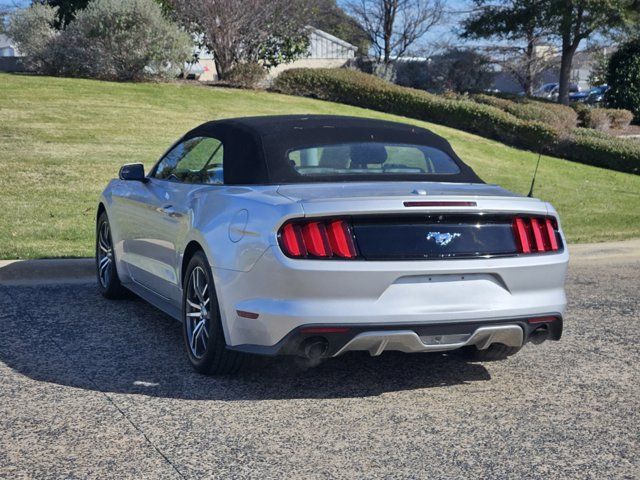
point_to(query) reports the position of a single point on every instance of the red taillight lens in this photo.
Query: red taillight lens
(533, 234)
(341, 239)
(551, 234)
(315, 239)
(318, 239)
(522, 236)
(291, 240)
(537, 236)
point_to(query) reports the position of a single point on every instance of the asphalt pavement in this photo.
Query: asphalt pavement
(97, 389)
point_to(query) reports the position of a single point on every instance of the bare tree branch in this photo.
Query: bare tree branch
(395, 25)
(525, 64)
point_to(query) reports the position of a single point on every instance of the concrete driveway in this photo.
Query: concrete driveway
(90, 388)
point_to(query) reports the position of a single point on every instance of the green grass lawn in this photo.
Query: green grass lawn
(61, 140)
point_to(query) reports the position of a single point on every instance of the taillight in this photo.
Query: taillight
(341, 239)
(317, 239)
(535, 234)
(291, 240)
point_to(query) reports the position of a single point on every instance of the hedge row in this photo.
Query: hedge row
(601, 150)
(562, 117)
(603, 119)
(367, 91)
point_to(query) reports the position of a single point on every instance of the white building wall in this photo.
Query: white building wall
(325, 51)
(321, 45)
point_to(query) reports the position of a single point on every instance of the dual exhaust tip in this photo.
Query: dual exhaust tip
(539, 335)
(315, 348)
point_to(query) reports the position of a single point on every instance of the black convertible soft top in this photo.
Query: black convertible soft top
(256, 148)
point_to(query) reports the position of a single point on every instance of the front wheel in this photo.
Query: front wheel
(202, 327)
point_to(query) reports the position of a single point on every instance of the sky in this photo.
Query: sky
(14, 3)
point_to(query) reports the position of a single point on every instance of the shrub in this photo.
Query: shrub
(32, 30)
(559, 116)
(623, 78)
(597, 118)
(367, 91)
(603, 118)
(110, 40)
(246, 75)
(123, 40)
(620, 118)
(581, 109)
(362, 90)
(601, 150)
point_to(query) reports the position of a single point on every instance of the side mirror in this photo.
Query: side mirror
(133, 171)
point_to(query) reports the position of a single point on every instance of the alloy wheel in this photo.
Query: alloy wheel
(197, 312)
(105, 254)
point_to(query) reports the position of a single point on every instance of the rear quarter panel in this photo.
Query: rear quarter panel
(235, 225)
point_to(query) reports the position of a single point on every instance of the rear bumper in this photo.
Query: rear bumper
(285, 295)
(334, 340)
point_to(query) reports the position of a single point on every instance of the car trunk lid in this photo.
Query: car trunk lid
(405, 221)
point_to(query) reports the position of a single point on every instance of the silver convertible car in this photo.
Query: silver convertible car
(320, 235)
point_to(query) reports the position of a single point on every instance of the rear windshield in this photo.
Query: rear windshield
(371, 158)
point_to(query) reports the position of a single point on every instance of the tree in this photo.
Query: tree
(395, 25)
(570, 21)
(459, 70)
(110, 40)
(66, 10)
(328, 16)
(526, 65)
(598, 73)
(236, 31)
(521, 23)
(32, 31)
(574, 20)
(623, 78)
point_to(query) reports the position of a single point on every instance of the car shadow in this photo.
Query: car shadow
(69, 335)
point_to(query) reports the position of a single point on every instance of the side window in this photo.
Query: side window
(197, 160)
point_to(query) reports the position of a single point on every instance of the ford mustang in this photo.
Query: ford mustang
(320, 235)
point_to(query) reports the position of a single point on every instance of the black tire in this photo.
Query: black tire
(209, 353)
(496, 351)
(106, 270)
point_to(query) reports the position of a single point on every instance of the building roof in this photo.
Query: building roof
(331, 38)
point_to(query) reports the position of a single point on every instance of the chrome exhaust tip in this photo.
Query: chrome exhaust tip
(315, 348)
(539, 335)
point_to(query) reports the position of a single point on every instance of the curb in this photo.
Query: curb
(611, 251)
(35, 272)
(82, 270)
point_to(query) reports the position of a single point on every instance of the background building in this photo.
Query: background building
(325, 51)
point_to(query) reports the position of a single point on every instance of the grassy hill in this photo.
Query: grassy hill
(61, 140)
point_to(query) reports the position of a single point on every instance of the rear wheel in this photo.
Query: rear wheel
(496, 351)
(202, 327)
(106, 272)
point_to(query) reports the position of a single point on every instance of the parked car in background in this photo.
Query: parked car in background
(578, 96)
(320, 235)
(596, 94)
(545, 91)
(550, 91)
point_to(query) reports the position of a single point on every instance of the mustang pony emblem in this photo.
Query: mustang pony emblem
(442, 239)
